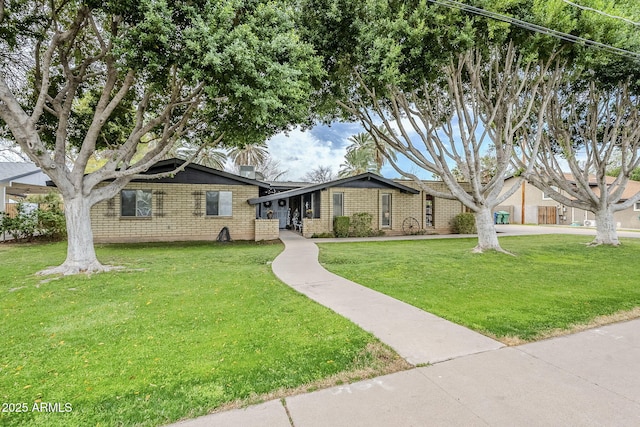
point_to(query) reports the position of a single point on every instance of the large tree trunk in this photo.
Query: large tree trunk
(606, 233)
(487, 237)
(81, 255)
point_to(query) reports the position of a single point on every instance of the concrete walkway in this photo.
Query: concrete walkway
(586, 379)
(419, 337)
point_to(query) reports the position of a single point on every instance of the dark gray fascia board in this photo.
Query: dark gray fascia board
(336, 183)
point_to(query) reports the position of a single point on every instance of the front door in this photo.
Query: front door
(281, 212)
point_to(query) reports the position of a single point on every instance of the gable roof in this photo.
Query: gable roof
(365, 180)
(631, 189)
(11, 171)
(194, 173)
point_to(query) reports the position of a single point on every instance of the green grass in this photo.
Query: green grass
(554, 282)
(186, 329)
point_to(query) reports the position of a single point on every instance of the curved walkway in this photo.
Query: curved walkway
(419, 337)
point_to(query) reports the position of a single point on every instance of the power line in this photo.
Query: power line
(537, 28)
(579, 6)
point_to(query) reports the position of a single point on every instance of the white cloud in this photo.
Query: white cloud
(300, 152)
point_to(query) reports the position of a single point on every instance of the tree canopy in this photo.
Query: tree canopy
(405, 66)
(125, 77)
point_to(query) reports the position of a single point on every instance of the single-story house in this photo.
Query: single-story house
(530, 205)
(197, 203)
(18, 180)
(194, 204)
(396, 206)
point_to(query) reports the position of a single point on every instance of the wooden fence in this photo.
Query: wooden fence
(11, 209)
(547, 215)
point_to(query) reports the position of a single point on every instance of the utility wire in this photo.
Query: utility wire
(537, 28)
(601, 12)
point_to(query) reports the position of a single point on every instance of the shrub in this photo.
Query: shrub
(464, 223)
(361, 224)
(51, 219)
(23, 226)
(341, 226)
(46, 221)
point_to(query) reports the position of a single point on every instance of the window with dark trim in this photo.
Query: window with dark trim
(219, 203)
(428, 210)
(386, 210)
(338, 204)
(135, 203)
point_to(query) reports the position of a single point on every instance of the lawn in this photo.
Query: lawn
(186, 329)
(553, 283)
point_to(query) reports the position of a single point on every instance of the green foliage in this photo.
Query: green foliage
(23, 226)
(407, 43)
(634, 175)
(46, 221)
(164, 340)
(341, 225)
(361, 224)
(550, 284)
(464, 223)
(255, 71)
(51, 220)
(325, 235)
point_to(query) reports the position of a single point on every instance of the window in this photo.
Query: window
(546, 196)
(219, 203)
(428, 210)
(636, 206)
(135, 203)
(338, 204)
(386, 210)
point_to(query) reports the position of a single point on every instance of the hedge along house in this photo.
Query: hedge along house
(194, 204)
(396, 206)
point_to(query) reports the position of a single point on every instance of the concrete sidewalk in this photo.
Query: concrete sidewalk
(586, 379)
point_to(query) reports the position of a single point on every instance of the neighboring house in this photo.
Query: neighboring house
(540, 208)
(18, 180)
(197, 203)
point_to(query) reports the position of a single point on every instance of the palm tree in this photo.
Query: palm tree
(249, 154)
(381, 150)
(355, 163)
(208, 156)
(365, 154)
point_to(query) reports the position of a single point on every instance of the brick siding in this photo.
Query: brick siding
(180, 218)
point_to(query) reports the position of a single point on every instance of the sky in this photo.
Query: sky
(302, 151)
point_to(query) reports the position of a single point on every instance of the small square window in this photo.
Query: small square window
(636, 206)
(219, 203)
(135, 203)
